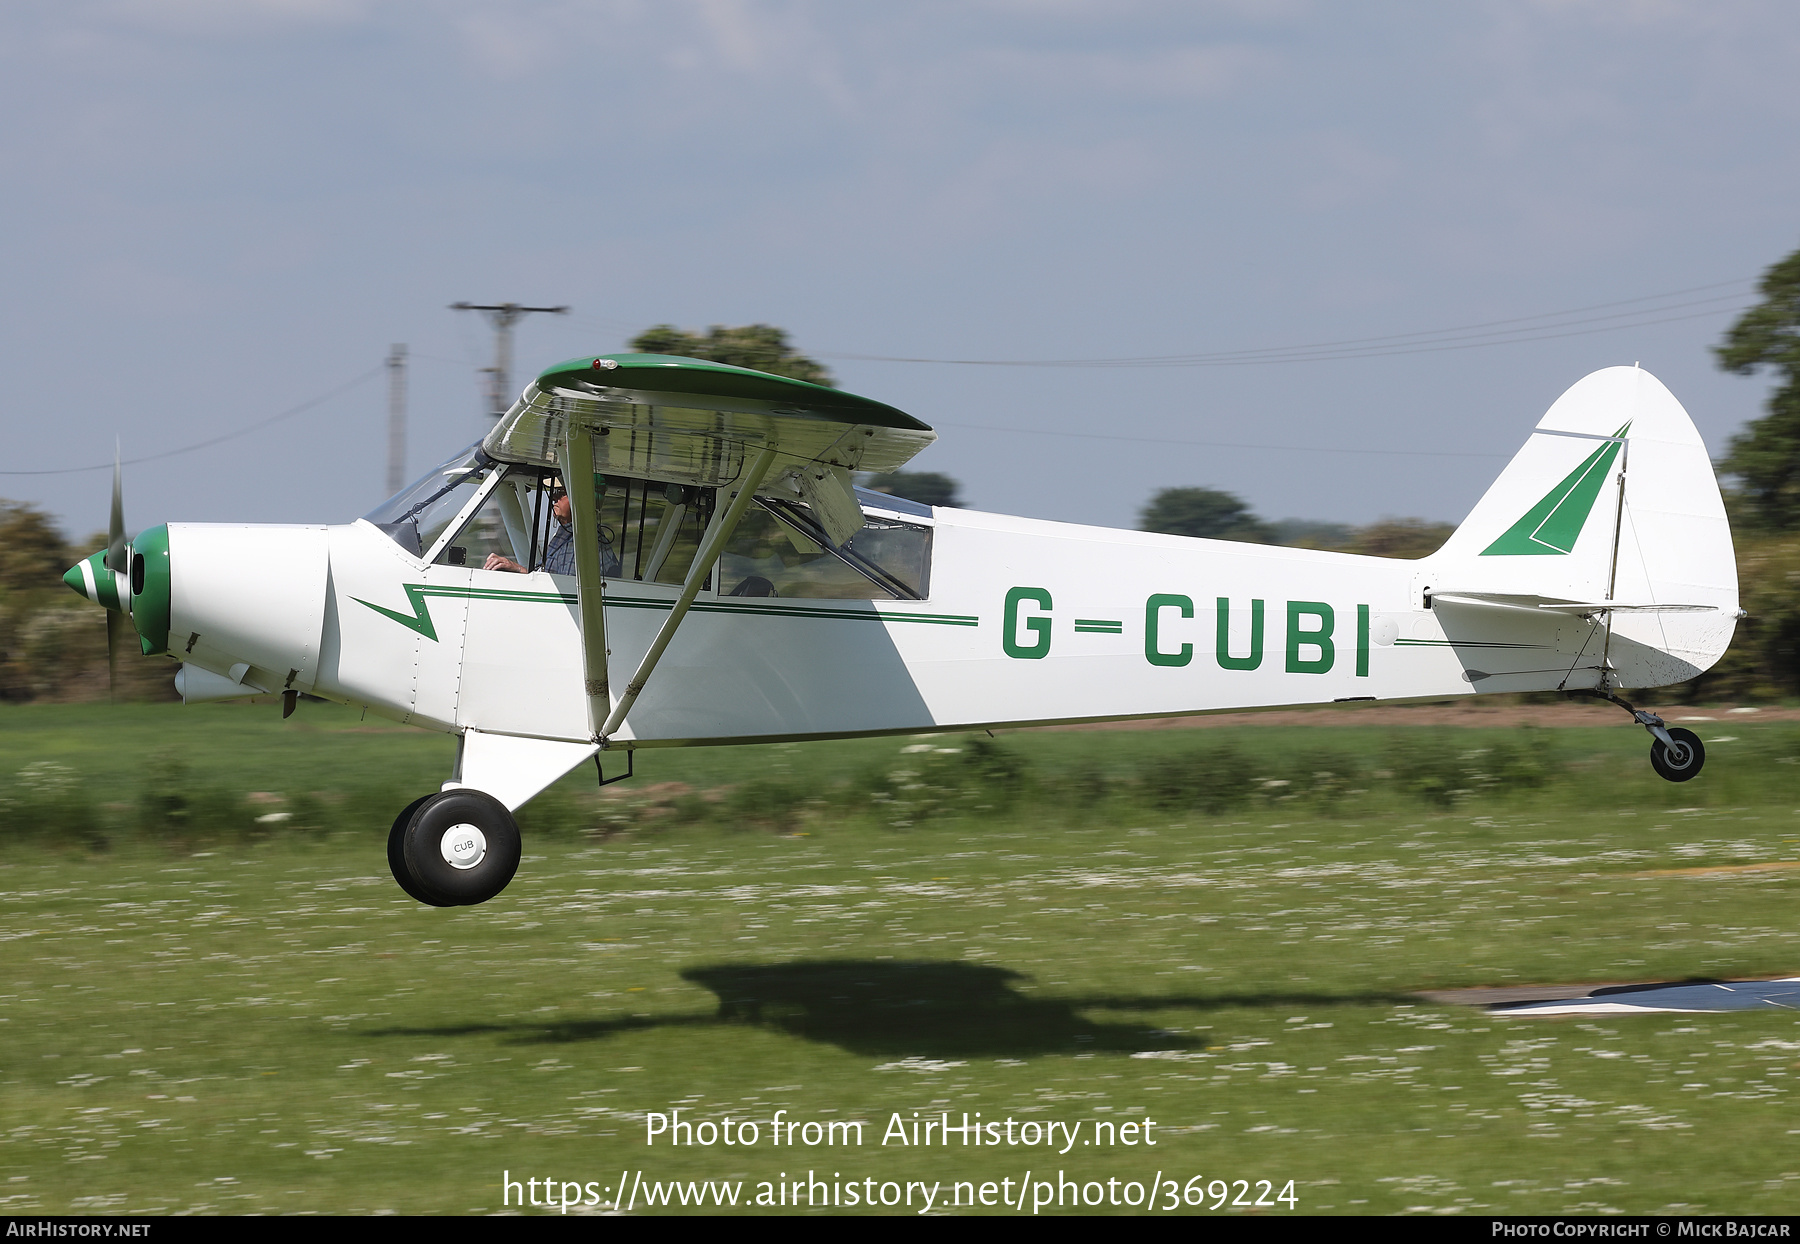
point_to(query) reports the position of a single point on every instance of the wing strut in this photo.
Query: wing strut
(590, 589)
(708, 554)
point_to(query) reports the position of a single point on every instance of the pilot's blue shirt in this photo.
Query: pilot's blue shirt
(559, 554)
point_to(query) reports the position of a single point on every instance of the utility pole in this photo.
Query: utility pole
(503, 316)
(396, 370)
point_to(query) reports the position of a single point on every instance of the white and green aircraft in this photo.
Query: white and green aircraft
(712, 575)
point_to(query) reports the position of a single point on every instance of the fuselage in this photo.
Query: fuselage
(1599, 560)
(1026, 621)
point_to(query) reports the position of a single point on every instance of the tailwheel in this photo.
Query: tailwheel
(454, 849)
(1675, 754)
(1680, 758)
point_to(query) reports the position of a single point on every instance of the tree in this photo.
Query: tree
(925, 487)
(1205, 512)
(762, 347)
(53, 642)
(1311, 533)
(1400, 537)
(31, 548)
(1765, 456)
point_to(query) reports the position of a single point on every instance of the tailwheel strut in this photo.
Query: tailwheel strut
(1675, 754)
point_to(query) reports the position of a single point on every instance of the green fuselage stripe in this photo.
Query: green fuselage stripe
(420, 618)
(1461, 643)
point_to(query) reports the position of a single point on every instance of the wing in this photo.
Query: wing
(701, 424)
(688, 421)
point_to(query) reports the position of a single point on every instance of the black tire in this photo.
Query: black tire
(1681, 764)
(437, 881)
(397, 854)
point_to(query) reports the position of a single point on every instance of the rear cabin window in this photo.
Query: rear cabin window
(651, 531)
(779, 549)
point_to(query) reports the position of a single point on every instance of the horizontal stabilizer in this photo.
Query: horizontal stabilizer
(1618, 606)
(1579, 608)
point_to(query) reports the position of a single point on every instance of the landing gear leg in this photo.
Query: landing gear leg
(1676, 754)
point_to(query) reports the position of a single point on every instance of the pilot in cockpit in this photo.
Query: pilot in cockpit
(559, 553)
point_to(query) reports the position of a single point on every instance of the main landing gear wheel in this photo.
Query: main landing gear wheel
(1681, 762)
(397, 854)
(454, 849)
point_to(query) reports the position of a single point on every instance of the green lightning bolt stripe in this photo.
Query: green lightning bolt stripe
(420, 618)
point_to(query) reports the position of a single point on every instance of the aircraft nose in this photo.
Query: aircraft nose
(142, 593)
(90, 578)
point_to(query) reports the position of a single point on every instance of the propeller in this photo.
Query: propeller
(104, 577)
(117, 555)
(118, 560)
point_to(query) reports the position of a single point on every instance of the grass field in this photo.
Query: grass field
(1219, 937)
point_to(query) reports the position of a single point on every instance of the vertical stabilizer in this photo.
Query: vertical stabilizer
(1612, 500)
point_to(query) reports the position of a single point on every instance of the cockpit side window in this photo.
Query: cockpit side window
(500, 531)
(649, 532)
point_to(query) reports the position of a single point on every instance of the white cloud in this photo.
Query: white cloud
(741, 33)
(501, 45)
(1339, 168)
(222, 15)
(1193, 71)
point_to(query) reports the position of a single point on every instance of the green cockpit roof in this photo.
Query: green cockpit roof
(698, 378)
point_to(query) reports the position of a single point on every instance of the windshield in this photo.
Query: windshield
(417, 516)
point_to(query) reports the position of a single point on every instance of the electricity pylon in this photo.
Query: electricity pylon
(503, 316)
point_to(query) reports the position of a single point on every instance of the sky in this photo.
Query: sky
(220, 211)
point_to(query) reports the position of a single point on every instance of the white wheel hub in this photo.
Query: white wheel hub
(463, 846)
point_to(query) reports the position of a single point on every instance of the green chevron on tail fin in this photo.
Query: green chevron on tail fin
(1552, 526)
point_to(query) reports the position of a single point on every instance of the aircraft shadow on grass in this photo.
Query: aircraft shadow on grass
(913, 1008)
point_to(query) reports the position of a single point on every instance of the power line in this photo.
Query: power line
(1541, 327)
(289, 413)
(1526, 319)
(1474, 336)
(1159, 440)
